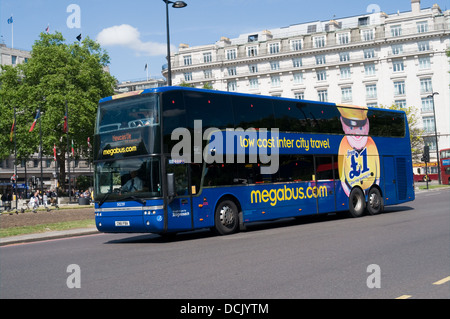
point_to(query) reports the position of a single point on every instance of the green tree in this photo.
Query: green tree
(56, 73)
(416, 133)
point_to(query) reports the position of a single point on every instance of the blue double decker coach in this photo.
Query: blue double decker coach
(176, 159)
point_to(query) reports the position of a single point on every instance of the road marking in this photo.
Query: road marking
(442, 281)
(404, 297)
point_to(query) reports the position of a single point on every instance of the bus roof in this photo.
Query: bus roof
(183, 88)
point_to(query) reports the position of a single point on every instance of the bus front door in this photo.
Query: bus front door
(179, 208)
(325, 174)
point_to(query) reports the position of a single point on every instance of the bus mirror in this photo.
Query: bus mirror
(171, 184)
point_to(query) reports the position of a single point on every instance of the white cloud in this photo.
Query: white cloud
(127, 36)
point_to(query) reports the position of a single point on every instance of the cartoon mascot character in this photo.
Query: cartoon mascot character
(358, 161)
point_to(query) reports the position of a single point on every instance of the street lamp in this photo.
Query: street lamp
(176, 4)
(435, 135)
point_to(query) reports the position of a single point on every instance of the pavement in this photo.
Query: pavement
(87, 231)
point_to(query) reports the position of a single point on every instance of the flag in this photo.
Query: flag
(10, 20)
(65, 127)
(38, 114)
(47, 29)
(54, 152)
(12, 129)
(73, 150)
(79, 37)
(145, 69)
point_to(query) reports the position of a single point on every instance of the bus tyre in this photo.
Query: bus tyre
(226, 218)
(357, 203)
(374, 202)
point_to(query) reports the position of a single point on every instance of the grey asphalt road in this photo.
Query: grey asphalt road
(403, 253)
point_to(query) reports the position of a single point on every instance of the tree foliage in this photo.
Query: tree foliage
(56, 73)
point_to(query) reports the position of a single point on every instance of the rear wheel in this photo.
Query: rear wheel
(374, 202)
(357, 203)
(226, 218)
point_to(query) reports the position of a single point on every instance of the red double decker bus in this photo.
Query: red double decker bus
(445, 166)
(423, 173)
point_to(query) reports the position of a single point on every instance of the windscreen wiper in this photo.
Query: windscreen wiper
(104, 199)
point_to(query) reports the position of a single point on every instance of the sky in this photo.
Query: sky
(133, 32)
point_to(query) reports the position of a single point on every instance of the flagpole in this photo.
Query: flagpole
(15, 158)
(12, 33)
(68, 152)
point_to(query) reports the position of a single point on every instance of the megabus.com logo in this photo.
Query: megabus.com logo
(275, 196)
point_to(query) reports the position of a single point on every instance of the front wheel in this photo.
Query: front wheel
(374, 202)
(226, 218)
(357, 203)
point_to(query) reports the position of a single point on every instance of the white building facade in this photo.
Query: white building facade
(374, 59)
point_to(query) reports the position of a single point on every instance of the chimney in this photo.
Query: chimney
(415, 6)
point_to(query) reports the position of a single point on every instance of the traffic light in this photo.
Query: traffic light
(426, 154)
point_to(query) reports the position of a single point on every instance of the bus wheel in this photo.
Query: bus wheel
(226, 217)
(357, 203)
(375, 202)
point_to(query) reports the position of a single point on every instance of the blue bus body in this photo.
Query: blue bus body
(259, 201)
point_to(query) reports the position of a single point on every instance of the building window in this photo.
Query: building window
(398, 66)
(397, 49)
(299, 95)
(396, 30)
(323, 95)
(400, 103)
(253, 38)
(252, 51)
(399, 88)
(187, 60)
(363, 21)
(368, 35)
(428, 124)
(274, 65)
(253, 68)
(344, 56)
(346, 94)
(319, 42)
(423, 46)
(188, 76)
(424, 63)
(369, 69)
(343, 38)
(13, 59)
(254, 84)
(296, 45)
(232, 86)
(321, 59)
(274, 48)
(312, 28)
(427, 104)
(231, 54)
(232, 71)
(298, 78)
(372, 104)
(369, 53)
(345, 73)
(207, 57)
(297, 62)
(371, 91)
(426, 86)
(322, 75)
(422, 27)
(207, 74)
(275, 80)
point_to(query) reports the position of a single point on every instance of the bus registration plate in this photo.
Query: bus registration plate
(122, 223)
